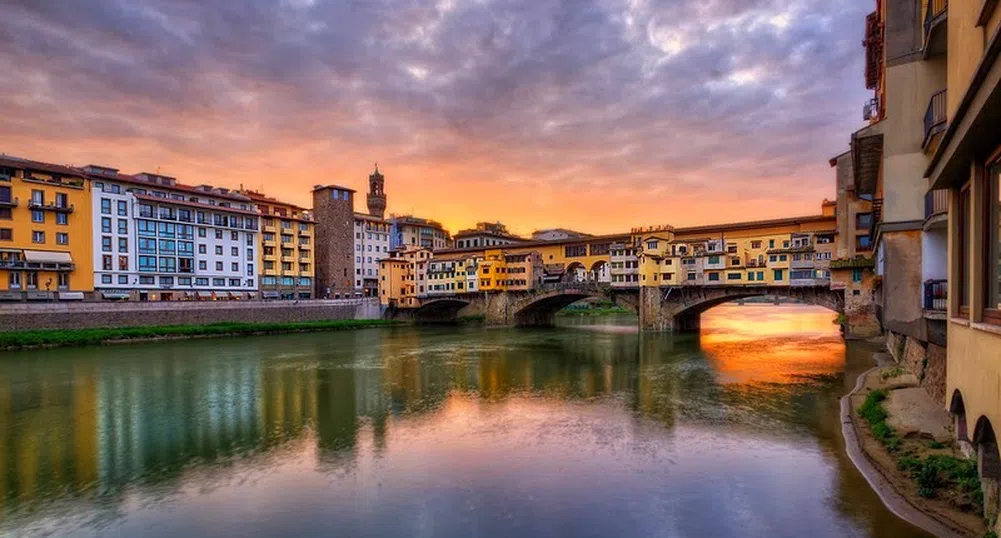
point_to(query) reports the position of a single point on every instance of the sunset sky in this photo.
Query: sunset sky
(597, 115)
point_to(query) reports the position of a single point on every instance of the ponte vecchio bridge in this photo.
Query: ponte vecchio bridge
(667, 276)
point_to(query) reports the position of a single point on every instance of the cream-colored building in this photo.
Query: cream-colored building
(967, 162)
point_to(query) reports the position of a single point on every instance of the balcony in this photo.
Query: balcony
(58, 208)
(936, 209)
(10, 202)
(936, 295)
(936, 29)
(935, 120)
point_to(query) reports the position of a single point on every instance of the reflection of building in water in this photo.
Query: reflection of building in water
(47, 434)
(159, 414)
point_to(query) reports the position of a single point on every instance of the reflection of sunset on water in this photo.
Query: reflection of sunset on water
(764, 343)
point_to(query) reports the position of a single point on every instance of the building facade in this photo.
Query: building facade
(408, 231)
(45, 232)
(287, 240)
(158, 240)
(556, 234)
(485, 235)
(966, 163)
(333, 211)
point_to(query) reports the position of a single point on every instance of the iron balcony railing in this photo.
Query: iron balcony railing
(935, 119)
(52, 206)
(8, 202)
(936, 294)
(934, 9)
(936, 203)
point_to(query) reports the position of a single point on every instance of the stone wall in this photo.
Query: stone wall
(91, 315)
(926, 361)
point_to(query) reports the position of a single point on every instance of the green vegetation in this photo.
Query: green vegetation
(896, 371)
(84, 337)
(933, 473)
(841, 319)
(597, 308)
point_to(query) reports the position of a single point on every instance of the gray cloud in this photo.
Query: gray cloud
(687, 93)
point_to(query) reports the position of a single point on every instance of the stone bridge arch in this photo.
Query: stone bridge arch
(539, 308)
(437, 310)
(680, 308)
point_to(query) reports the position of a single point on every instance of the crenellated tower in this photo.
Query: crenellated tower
(376, 194)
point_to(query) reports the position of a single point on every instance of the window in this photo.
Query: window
(234, 267)
(31, 279)
(106, 225)
(147, 264)
(123, 263)
(184, 281)
(105, 279)
(106, 262)
(202, 265)
(713, 277)
(992, 233)
(62, 238)
(201, 232)
(5, 213)
(863, 242)
(14, 280)
(37, 236)
(731, 248)
(778, 274)
(750, 275)
(218, 234)
(690, 276)
(123, 208)
(783, 257)
(856, 275)
(773, 258)
(201, 281)
(863, 221)
(123, 244)
(755, 244)
(123, 279)
(250, 269)
(37, 215)
(651, 244)
(62, 219)
(733, 276)
(712, 259)
(234, 251)
(147, 227)
(105, 206)
(123, 227)
(168, 265)
(218, 250)
(202, 249)
(218, 281)
(6, 234)
(218, 266)
(63, 281)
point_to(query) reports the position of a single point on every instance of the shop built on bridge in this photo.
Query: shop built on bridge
(668, 276)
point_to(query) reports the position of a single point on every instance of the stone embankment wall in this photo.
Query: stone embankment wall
(924, 359)
(17, 317)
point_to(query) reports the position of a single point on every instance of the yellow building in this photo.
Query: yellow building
(967, 162)
(286, 248)
(46, 233)
(403, 277)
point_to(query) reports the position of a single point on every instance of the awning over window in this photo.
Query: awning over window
(271, 295)
(205, 294)
(71, 296)
(47, 256)
(114, 295)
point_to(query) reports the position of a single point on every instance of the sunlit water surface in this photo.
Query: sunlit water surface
(592, 429)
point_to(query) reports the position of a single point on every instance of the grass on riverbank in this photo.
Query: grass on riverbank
(935, 474)
(96, 336)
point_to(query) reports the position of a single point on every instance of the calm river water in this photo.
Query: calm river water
(591, 429)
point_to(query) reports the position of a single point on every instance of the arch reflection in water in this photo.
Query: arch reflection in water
(441, 431)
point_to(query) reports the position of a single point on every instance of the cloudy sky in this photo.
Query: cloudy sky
(591, 114)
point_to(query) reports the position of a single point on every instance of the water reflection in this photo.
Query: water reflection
(592, 430)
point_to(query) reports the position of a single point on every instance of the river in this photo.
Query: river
(589, 429)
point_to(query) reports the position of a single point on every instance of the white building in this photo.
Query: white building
(372, 241)
(155, 239)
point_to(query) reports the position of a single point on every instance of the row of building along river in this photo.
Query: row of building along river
(589, 429)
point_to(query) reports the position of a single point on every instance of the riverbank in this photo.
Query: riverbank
(901, 442)
(50, 338)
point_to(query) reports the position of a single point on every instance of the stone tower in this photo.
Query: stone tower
(333, 211)
(376, 194)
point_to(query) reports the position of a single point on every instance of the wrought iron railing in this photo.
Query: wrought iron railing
(934, 8)
(935, 118)
(936, 294)
(936, 203)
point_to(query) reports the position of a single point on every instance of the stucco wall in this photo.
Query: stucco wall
(88, 315)
(902, 284)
